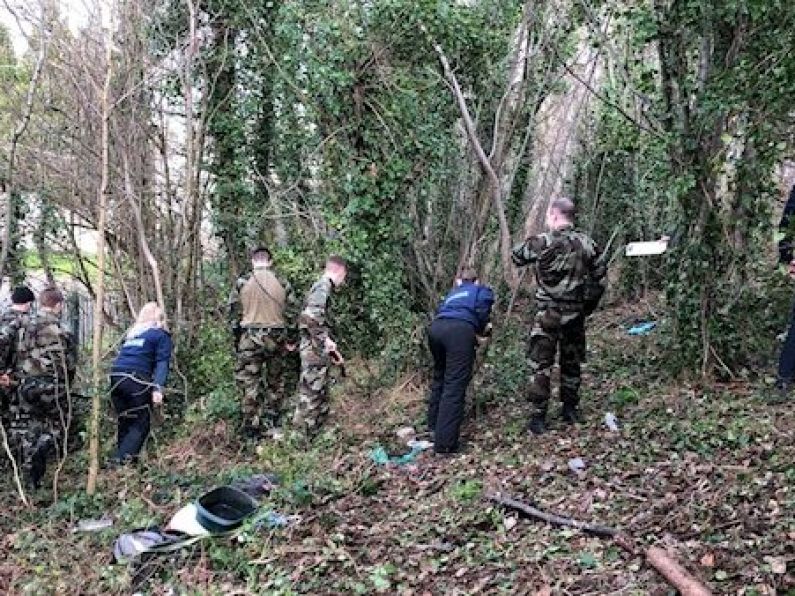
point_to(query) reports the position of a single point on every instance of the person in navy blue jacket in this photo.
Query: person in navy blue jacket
(137, 378)
(462, 316)
(786, 362)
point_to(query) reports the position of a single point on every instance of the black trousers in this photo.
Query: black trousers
(786, 362)
(132, 400)
(452, 344)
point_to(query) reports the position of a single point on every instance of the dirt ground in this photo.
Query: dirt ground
(704, 470)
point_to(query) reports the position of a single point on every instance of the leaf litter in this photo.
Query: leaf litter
(705, 471)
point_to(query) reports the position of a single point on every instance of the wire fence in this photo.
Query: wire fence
(78, 315)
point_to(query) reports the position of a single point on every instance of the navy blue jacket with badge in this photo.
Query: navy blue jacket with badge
(147, 354)
(468, 302)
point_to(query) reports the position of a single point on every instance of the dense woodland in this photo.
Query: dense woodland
(414, 137)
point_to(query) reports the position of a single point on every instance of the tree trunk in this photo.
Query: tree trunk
(10, 215)
(494, 183)
(102, 197)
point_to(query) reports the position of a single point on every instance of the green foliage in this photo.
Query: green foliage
(587, 560)
(209, 369)
(505, 371)
(467, 490)
(701, 172)
(623, 397)
(60, 263)
(334, 140)
(380, 576)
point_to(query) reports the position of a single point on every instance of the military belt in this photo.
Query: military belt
(560, 304)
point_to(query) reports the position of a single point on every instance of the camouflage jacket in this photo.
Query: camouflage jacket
(11, 321)
(287, 305)
(46, 349)
(314, 318)
(565, 262)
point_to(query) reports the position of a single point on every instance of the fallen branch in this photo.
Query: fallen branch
(551, 518)
(655, 556)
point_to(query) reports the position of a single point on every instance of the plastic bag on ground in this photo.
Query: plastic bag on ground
(380, 456)
(642, 328)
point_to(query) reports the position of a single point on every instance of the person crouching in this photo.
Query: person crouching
(463, 314)
(137, 378)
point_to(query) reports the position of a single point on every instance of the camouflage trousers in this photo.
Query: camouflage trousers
(555, 332)
(5, 418)
(40, 415)
(5, 405)
(262, 353)
(312, 405)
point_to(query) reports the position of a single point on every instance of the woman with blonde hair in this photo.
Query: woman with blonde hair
(137, 379)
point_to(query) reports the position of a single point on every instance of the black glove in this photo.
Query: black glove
(237, 333)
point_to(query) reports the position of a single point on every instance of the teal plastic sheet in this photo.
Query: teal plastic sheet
(380, 456)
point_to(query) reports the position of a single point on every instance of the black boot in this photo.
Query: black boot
(537, 426)
(781, 392)
(570, 414)
(36, 473)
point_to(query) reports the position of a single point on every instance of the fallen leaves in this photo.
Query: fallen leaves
(682, 479)
(708, 560)
(777, 565)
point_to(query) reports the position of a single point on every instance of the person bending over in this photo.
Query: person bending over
(137, 378)
(463, 314)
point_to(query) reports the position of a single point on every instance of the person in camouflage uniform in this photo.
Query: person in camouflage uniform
(263, 308)
(318, 350)
(10, 323)
(46, 360)
(567, 266)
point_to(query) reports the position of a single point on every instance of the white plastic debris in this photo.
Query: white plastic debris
(644, 249)
(510, 523)
(186, 520)
(577, 465)
(406, 433)
(421, 445)
(611, 422)
(93, 525)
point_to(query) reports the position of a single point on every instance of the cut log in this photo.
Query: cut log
(677, 575)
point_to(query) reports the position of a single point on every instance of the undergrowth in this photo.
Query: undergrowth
(703, 469)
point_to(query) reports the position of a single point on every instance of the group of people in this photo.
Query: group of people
(569, 272)
(38, 359)
(37, 367)
(273, 331)
(269, 327)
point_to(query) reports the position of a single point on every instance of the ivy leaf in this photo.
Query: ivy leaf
(587, 560)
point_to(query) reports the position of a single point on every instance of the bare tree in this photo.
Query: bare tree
(102, 208)
(10, 182)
